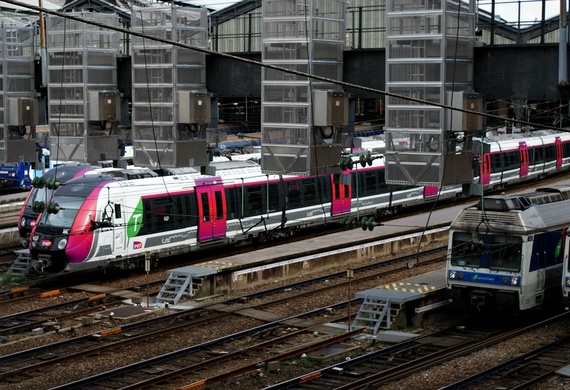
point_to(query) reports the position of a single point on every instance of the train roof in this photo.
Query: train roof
(513, 140)
(238, 169)
(545, 209)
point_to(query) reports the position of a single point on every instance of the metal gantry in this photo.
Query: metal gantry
(429, 57)
(302, 118)
(83, 100)
(171, 107)
(18, 103)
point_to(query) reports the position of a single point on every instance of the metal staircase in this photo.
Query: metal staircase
(22, 265)
(373, 314)
(184, 281)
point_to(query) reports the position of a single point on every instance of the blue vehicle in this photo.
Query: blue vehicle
(19, 176)
(16, 176)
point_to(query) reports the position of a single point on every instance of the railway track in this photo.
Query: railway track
(383, 366)
(55, 313)
(522, 372)
(251, 311)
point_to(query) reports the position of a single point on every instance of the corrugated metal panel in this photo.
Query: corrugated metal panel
(476, 217)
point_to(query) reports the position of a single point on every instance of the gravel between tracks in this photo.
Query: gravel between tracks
(426, 380)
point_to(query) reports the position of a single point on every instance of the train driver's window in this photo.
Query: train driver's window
(505, 253)
(465, 251)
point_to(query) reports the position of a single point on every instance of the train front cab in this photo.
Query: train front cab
(504, 273)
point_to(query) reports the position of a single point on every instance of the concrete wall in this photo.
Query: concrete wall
(266, 274)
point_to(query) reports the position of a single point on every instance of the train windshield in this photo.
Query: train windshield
(69, 207)
(465, 251)
(39, 195)
(505, 253)
(496, 252)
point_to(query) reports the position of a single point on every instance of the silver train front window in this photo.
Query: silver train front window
(497, 252)
(465, 252)
(39, 195)
(69, 206)
(505, 253)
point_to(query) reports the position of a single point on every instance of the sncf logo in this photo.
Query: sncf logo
(137, 245)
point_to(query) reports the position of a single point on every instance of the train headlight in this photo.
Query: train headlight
(62, 243)
(452, 275)
(23, 222)
(515, 281)
(567, 282)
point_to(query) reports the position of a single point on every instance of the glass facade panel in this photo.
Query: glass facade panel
(431, 94)
(415, 118)
(414, 72)
(283, 135)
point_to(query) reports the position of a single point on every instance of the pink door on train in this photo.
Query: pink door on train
(485, 169)
(430, 191)
(341, 193)
(559, 152)
(212, 212)
(523, 151)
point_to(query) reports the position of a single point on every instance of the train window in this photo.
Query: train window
(505, 253)
(147, 222)
(232, 207)
(189, 210)
(205, 206)
(254, 199)
(325, 189)
(566, 149)
(273, 201)
(336, 190)
(465, 251)
(118, 211)
(550, 152)
(294, 194)
(512, 160)
(308, 192)
(369, 185)
(496, 162)
(219, 205)
(547, 250)
(179, 216)
(164, 210)
(536, 155)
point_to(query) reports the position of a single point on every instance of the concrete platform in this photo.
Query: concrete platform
(9, 237)
(408, 289)
(305, 257)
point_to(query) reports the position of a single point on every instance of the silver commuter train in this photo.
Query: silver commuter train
(507, 252)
